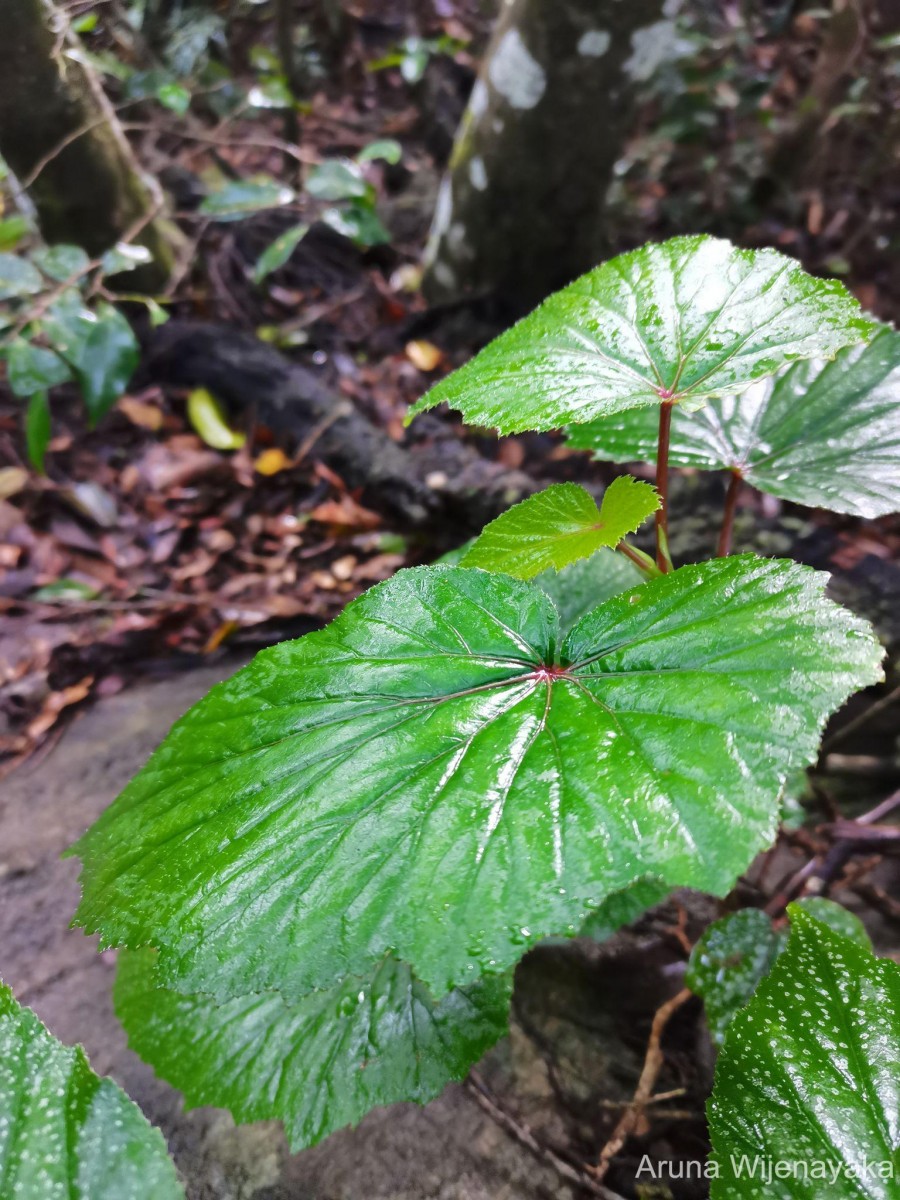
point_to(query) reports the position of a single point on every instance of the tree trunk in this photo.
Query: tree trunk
(61, 140)
(521, 209)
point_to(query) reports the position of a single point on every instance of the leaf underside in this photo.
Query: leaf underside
(826, 435)
(441, 774)
(559, 526)
(64, 1132)
(810, 1073)
(320, 1063)
(688, 319)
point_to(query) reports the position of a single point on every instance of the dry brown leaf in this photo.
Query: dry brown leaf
(424, 355)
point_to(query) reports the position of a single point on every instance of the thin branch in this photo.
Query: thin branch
(734, 487)
(653, 1062)
(852, 726)
(483, 1096)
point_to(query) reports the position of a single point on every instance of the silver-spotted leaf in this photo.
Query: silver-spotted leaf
(809, 1076)
(560, 525)
(318, 1063)
(688, 319)
(824, 434)
(735, 953)
(64, 1132)
(441, 774)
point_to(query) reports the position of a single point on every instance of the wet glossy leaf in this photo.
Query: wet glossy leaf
(734, 954)
(240, 198)
(441, 774)
(560, 525)
(101, 349)
(689, 319)
(810, 1074)
(66, 1133)
(61, 262)
(18, 277)
(278, 252)
(37, 429)
(33, 369)
(825, 434)
(174, 97)
(358, 222)
(337, 179)
(621, 908)
(208, 418)
(317, 1064)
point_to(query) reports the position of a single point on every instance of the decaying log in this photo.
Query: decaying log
(443, 482)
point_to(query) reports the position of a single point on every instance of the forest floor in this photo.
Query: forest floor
(147, 565)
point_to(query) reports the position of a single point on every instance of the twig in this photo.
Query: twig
(852, 726)
(653, 1062)
(734, 486)
(483, 1096)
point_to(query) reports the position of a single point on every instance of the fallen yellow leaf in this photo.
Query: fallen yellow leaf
(271, 461)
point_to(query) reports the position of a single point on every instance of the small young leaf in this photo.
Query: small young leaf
(240, 198)
(441, 774)
(686, 320)
(124, 256)
(64, 1132)
(278, 252)
(33, 369)
(318, 1063)
(560, 525)
(61, 262)
(810, 1075)
(734, 954)
(386, 149)
(37, 429)
(824, 434)
(18, 277)
(358, 222)
(12, 230)
(174, 96)
(338, 179)
(209, 419)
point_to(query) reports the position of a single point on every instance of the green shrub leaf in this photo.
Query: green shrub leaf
(64, 1132)
(560, 525)
(822, 434)
(321, 1062)
(101, 349)
(442, 775)
(37, 429)
(61, 262)
(734, 954)
(238, 199)
(810, 1074)
(689, 319)
(33, 369)
(277, 253)
(18, 277)
(338, 179)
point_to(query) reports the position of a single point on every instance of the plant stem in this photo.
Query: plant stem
(663, 558)
(641, 560)
(734, 486)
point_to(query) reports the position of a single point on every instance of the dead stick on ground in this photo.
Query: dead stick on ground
(652, 1065)
(522, 1134)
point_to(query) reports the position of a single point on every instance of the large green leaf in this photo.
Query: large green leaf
(810, 1075)
(560, 525)
(577, 589)
(734, 954)
(66, 1134)
(321, 1062)
(822, 434)
(441, 774)
(687, 320)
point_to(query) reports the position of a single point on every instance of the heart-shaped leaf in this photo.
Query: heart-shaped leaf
(686, 320)
(441, 774)
(66, 1133)
(810, 1075)
(560, 525)
(321, 1062)
(734, 954)
(822, 434)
